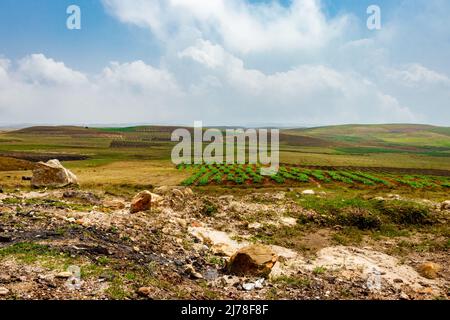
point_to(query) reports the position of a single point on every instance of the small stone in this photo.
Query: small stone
(308, 192)
(114, 204)
(259, 284)
(144, 291)
(64, 275)
(255, 225)
(248, 286)
(4, 291)
(288, 221)
(429, 270)
(197, 275)
(189, 269)
(404, 296)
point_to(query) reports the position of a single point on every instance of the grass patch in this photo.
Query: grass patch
(48, 203)
(319, 270)
(292, 281)
(32, 253)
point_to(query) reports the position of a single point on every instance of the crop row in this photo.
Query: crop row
(205, 174)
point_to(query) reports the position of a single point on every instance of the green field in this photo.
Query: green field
(250, 175)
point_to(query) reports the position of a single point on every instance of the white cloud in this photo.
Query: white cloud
(306, 94)
(228, 92)
(36, 68)
(42, 90)
(138, 76)
(238, 25)
(417, 75)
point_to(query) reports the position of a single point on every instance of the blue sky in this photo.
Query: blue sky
(299, 62)
(40, 26)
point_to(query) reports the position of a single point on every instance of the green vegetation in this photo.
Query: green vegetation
(222, 174)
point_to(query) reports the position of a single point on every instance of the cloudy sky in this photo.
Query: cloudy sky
(225, 62)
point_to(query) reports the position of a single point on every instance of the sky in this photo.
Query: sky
(225, 62)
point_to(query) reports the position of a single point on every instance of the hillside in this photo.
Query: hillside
(63, 130)
(383, 138)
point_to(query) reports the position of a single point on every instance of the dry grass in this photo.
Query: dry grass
(11, 164)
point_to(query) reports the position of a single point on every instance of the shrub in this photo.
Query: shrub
(209, 209)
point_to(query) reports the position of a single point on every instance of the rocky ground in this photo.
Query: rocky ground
(173, 243)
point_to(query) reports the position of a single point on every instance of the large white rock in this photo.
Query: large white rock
(52, 174)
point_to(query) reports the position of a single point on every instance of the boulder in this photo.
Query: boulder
(144, 201)
(52, 174)
(254, 260)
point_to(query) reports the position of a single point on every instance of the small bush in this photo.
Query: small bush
(209, 209)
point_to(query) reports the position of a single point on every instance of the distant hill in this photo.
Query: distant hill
(63, 130)
(353, 138)
(393, 136)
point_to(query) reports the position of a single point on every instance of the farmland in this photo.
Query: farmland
(383, 156)
(250, 175)
(338, 191)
